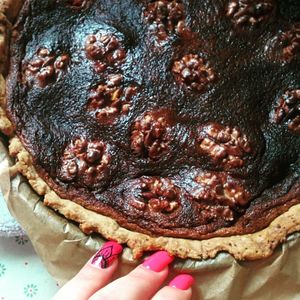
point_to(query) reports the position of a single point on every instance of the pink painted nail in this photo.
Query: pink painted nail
(158, 261)
(107, 255)
(182, 282)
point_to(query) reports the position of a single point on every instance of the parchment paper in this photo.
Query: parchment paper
(64, 249)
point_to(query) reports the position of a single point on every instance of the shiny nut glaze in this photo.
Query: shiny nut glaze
(221, 188)
(158, 195)
(109, 101)
(290, 41)
(84, 161)
(149, 137)
(105, 50)
(224, 145)
(194, 72)
(288, 110)
(77, 4)
(44, 68)
(250, 12)
(165, 17)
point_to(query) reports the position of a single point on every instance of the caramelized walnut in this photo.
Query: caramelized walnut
(209, 213)
(194, 72)
(220, 188)
(288, 110)
(77, 3)
(158, 195)
(226, 146)
(290, 42)
(149, 137)
(105, 49)
(44, 68)
(165, 17)
(250, 12)
(84, 162)
(285, 46)
(110, 100)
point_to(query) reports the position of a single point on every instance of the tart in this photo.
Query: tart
(161, 124)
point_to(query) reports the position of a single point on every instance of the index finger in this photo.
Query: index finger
(96, 273)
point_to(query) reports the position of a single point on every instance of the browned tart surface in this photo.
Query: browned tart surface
(176, 118)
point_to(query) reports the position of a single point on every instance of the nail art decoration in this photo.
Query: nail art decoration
(107, 255)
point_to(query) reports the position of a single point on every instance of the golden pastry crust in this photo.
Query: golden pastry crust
(244, 247)
(5, 125)
(5, 29)
(11, 8)
(7, 7)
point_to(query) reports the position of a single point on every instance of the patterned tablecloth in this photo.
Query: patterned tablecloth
(22, 275)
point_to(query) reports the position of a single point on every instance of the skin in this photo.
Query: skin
(93, 283)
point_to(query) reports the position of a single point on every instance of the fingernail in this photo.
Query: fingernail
(158, 261)
(182, 282)
(107, 255)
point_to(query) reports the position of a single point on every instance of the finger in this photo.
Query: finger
(142, 283)
(94, 275)
(179, 288)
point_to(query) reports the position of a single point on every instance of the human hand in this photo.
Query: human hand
(143, 283)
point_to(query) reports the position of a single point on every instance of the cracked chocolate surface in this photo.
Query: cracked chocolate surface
(194, 137)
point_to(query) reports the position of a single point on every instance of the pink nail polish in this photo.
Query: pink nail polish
(107, 255)
(158, 261)
(182, 282)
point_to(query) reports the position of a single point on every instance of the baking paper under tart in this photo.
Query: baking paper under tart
(64, 249)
